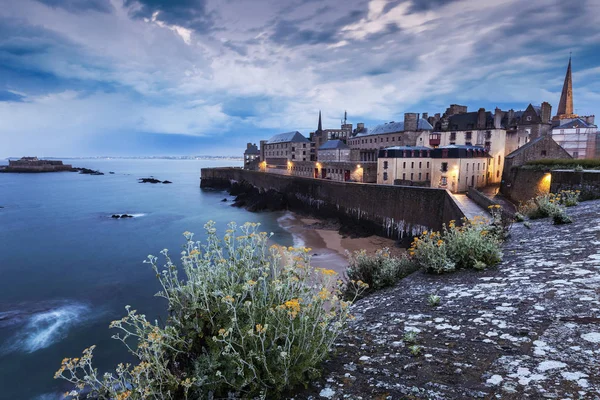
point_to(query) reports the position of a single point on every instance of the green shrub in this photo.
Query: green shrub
(433, 300)
(245, 320)
(475, 244)
(519, 217)
(552, 205)
(549, 164)
(377, 270)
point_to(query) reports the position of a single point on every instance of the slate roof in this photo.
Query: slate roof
(467, 121)
(391, 127)
(408, 148)
(575, 123)
(524, 147)
(333, 145)
(288, 137)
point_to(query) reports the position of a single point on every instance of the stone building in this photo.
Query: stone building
(334, 151)
(251, 157)
(368, 141)
(453, 167)
(404, 165)
(282, 150)
(576, 134)
(543, 147)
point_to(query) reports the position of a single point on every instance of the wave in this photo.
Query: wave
(138, 215)
(289, 222)
(44, 328)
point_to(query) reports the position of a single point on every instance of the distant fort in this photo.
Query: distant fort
(33, 164)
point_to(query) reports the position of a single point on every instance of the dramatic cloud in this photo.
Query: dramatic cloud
(86, 77)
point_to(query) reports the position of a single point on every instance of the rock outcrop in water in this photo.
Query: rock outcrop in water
(527, 329)
(87, 171)
(152, 180)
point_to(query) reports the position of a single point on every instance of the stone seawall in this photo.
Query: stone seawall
(390, 211)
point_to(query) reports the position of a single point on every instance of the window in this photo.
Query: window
(529, 118)
(444, 167)
(403, 177)
(498, 160)
(543, 152)
(385, 165)
(452, 135)
(412, 176)
(468, 135)
(575, 154)
(420, 164)
(412, 164)
(303, 153)
(477, 166)
(427, 176)
(445, 153)
(293, 156)
(385, 176)
(467, 167)
(387, 139)
(380, 140)
(427, 164)
(419, 176)
(404, 164)
(444, 181)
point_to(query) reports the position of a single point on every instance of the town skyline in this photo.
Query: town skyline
(142, 78)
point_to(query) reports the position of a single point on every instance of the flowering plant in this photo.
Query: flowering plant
(248, 320)
(474, 244)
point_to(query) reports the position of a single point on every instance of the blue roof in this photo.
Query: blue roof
(391, 127)
(408, 148)
(575, 123)
(462, 146)
(288, 137)
(333, 144)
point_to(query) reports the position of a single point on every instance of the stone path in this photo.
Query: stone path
(468, 206)
(527, 329)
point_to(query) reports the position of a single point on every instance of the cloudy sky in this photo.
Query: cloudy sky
(166, 77)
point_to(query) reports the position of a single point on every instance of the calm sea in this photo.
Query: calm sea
(67, 269)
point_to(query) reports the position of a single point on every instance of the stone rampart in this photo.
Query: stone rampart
(588, 182)
(391, 211)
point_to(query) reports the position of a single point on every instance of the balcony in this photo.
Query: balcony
(435, 139)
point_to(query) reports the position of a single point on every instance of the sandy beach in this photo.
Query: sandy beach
(328, 246)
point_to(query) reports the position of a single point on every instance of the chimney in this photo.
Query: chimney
(410, 121)
(590, 119)
(425, 116)
(546, 112)
(360, 126)
(481, 118)
(511, 117)
(262, 150)
(497, 118)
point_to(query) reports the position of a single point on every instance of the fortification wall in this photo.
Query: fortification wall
(588, 182)
(524, 184)
(391, 211)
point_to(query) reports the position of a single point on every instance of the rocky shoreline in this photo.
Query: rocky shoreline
(527, 329)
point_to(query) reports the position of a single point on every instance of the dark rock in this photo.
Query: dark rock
(116, 216)
(87, 171)
(224, 200)
(167, 182)
(110, 172)
(126, 216)
(149, 180)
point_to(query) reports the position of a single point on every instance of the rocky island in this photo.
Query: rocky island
(33, 164)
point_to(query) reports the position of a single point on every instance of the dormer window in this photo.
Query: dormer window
(529, 118)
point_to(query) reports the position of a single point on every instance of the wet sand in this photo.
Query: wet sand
(328, 246)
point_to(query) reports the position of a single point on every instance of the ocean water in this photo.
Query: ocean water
(67, 269)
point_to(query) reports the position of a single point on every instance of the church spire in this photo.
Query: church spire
(320, 128)
(565, 107)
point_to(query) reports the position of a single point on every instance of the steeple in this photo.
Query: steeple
(565, 107)
(320, 128)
